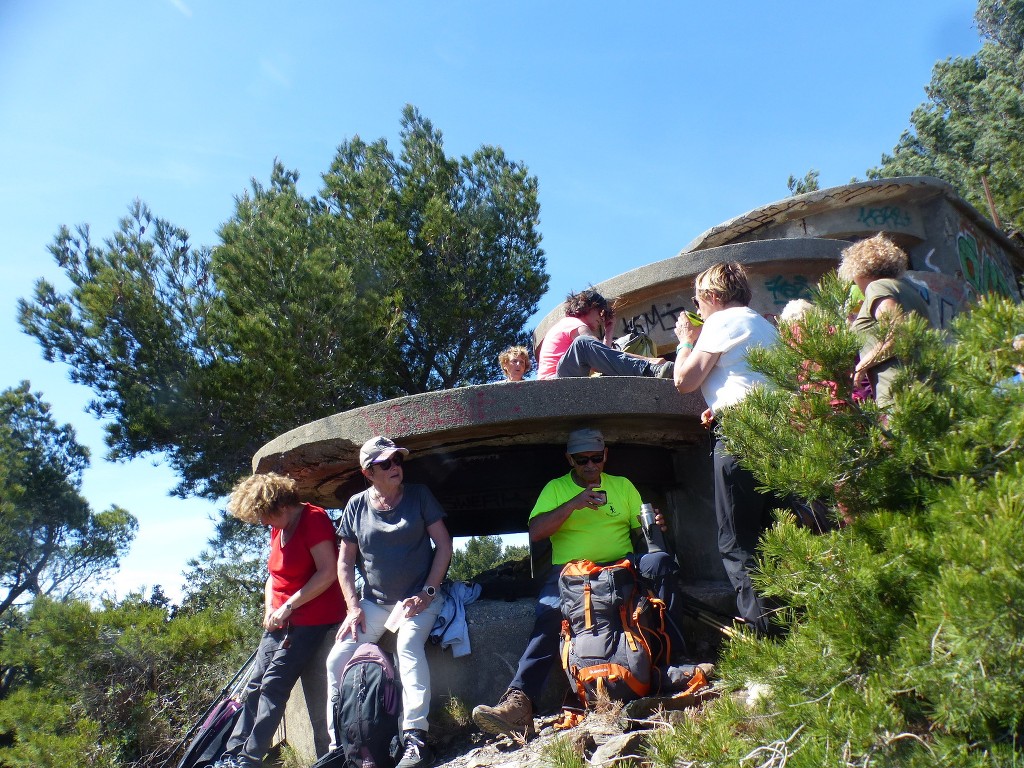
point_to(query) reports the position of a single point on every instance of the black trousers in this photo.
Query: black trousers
(743, 515)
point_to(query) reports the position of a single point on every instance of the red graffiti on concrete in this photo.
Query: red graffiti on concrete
(436, 413)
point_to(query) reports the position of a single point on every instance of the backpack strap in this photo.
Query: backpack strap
(588, 604)
(598, 673)
(567, 643)
(626, 629)
(660, 609)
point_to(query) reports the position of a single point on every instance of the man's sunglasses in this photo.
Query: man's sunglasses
(397, 460)
(582, 461)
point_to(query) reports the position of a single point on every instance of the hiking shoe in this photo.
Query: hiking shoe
(513, 715)
(417, 754)
(666, 370)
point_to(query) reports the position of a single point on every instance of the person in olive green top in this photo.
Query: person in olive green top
(877, 266)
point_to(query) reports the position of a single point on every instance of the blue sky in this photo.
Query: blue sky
(646, 124)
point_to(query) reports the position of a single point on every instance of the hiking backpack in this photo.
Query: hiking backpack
(613, 632)
(366, 710)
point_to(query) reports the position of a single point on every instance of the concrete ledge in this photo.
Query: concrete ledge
(442, 426)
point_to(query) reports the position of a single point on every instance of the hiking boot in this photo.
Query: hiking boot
(417, 754)
(513, 715)
(666, 370)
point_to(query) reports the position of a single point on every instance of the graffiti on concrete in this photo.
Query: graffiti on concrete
(784, 289)
(885, 217)
(981, 268)
(448, 410)
(663, 317)
(943, 306)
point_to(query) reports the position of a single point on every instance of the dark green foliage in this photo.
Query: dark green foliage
(904, 626)
(972, 126)
(110, 686)
(51, 542)
(230, 574)
(480, 554)
(809, 183)
(405, 274)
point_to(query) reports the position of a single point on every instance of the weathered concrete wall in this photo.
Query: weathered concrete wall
(654, 295)
(955, 253)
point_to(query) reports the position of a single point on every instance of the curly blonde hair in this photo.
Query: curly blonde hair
(259, 495)
(876, 257)
(508, 354)
(727, 281)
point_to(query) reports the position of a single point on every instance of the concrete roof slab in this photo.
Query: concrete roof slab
(323, 455)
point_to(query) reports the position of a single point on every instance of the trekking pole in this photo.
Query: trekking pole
(229, 689)
(708, 618)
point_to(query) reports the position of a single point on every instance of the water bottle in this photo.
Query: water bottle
(653, 534)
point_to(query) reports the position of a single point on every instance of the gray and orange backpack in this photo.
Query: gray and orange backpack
(614, 642)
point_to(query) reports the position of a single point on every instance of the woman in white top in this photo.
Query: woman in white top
(713, 358)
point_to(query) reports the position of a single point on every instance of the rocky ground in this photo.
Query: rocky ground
(605, 737)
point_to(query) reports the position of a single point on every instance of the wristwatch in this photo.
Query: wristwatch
(431, 591)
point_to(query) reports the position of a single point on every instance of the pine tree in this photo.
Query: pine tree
(903, 643)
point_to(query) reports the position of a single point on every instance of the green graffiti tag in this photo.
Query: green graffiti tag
(784, 290)
(886, 216)
(979, 267)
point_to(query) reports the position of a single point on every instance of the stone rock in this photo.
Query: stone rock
(618, 748)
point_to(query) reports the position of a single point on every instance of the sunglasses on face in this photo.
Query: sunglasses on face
(386, 464)
(582, 461)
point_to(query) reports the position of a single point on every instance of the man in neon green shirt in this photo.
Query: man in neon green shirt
(586, 514)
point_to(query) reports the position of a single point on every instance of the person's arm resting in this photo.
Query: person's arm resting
(886, 310)
(438, 533)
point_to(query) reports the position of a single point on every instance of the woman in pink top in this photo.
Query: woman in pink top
(573, 346)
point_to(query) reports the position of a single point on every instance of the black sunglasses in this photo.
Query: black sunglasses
(582, 461)
(397, 460)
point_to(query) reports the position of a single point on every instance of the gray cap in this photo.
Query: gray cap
(378, 449)
(585, 440)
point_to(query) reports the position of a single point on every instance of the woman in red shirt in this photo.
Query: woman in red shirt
(302, 605)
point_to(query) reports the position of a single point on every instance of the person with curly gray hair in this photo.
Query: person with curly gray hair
(877, 266)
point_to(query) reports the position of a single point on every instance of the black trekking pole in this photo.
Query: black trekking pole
(224, 692)
(708, 616)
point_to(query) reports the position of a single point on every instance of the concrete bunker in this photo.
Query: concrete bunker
(487, 450)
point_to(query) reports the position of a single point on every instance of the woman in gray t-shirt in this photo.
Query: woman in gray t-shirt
(395, 534)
